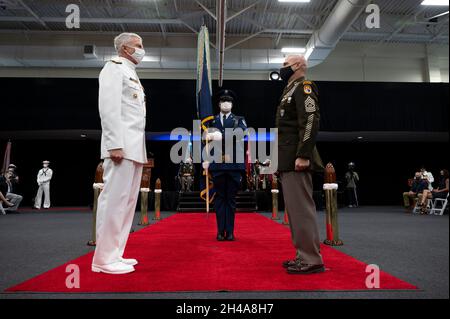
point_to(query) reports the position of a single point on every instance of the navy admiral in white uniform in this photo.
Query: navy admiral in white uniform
(122, 111)
(227, 175)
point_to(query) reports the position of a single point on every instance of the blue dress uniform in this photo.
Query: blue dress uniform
(227, 177)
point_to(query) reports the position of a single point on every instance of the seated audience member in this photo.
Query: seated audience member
(418, 185)
(440, 192)
(13, 198)
(4, 203)
(12, 169)
(428, 176)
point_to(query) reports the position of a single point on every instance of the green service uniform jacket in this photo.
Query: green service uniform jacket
(297, 120)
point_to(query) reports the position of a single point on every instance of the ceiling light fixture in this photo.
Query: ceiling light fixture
(293, 50)
(274, 76)
(435, 3)
(295, 1)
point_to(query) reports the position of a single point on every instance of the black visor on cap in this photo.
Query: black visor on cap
(226, 96)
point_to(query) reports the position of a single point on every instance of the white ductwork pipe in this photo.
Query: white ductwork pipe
(324, 40)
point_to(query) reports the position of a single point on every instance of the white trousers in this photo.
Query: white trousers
(43, 188)
(116, 208)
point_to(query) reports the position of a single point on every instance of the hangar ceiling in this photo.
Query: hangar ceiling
(247, 21)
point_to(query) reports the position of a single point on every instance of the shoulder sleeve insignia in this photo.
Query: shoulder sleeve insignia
(307, 89)
(310, 105)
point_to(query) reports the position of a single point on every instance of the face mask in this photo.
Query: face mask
(225, 107)
(138, 54)
(286, 73)
(45, 165)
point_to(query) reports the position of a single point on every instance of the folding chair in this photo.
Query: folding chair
(438, 209)
(416, 209)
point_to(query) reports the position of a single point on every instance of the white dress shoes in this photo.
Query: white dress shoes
(116, 268)
(131, 262)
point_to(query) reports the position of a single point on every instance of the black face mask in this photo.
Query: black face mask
(286, 73)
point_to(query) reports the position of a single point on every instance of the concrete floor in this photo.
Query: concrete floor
(412, 247)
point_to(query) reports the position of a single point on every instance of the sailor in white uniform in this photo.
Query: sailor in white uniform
(122, 112)
(44, 177)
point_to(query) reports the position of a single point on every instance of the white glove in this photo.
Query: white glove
(205, 165)
(214, 136)
(266, 162)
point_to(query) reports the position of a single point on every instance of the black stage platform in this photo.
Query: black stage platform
(247, 201)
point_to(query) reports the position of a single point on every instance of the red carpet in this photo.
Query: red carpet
(180, 253)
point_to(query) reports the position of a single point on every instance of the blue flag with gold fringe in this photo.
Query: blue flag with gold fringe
(203, 94)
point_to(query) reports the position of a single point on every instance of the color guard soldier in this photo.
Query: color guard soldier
(186, 174)
(227, 176)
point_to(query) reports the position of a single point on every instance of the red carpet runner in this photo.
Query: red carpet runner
(180, 253)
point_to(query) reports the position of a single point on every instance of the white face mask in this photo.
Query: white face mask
(225, 107)
(138, 54)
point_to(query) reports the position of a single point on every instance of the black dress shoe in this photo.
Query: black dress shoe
(220, 237)
(302, 269)
(230, 237)
(290, 263)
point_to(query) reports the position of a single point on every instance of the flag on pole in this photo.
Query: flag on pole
(204, 103)
(7, 157)
(204, 87)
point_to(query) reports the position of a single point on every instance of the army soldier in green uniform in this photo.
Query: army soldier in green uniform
(297, 120)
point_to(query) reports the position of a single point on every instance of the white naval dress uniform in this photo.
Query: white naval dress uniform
(122, 111)
(44, 177)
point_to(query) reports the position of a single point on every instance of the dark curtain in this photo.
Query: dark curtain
(38, 104)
